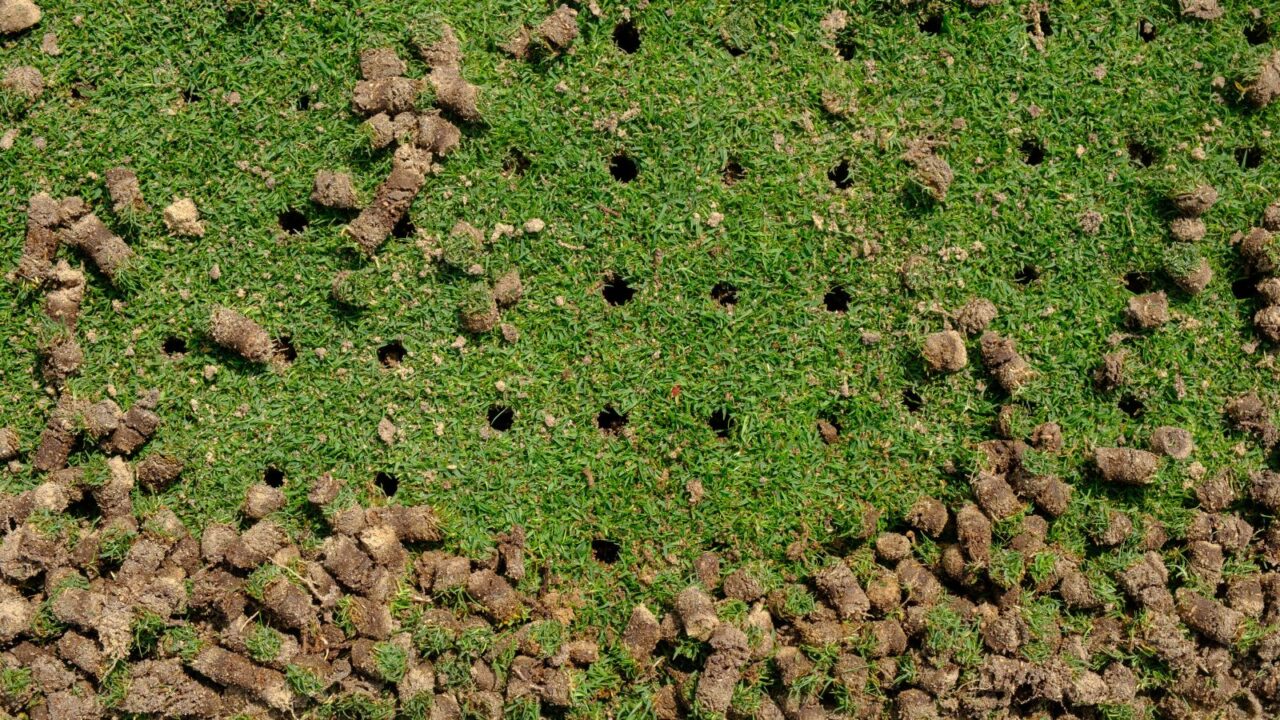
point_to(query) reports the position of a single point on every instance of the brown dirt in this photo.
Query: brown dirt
(261, 500)
(481, 317)
(183, 218)
(231, 670)
(974, 316)
(390, 95)
(444, 51)
(840, 588)
(931, 170)
(162, 688)
(61, 357)
(1126, 466)
(507, 289)
(1264, 489)
(995, 496)
(944, 352)
(239, 334)
(9, 444)
(1174, 442)
(1269, 291)
(1147, 312)
(973, 531)
(1267, 322)
(59, 436)
(1265, 87)
(390, 203)
(1195, 282)
(1200, 9)
(24, 80)
(1209, 617)
(125, 191)
(500, 601)
(379, 63)
(1110, 375)
(1257, 249)
(1196, 202)
(559, 29)
(104, 248)
(436, 134)
(66, 290)
(157, 472)
(18, 15)
(135, 428)
(1271, 217)
(929, 516)
(642, 633)
(1187, 229)
(42, 240)
(1004, 363)
(334, 190)
(454, 94)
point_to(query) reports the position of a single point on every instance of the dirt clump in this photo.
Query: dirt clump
(1200, 9)
(162, 688)
(390, 95)
(477, 309)
(1265, 86)
(17, 15)
(974, 316)
(642, 634)
(696, 612)
(1147, 312)
(239, 334)
(1209, 617)
(929, 516)
(1196, 202)
(1258, 251)
(125, 191)
(1188, 269)
(334, 190)
(95, 240)
(1126, 466)
(61, 357)
(973, 531)
(1174, 442)
(231, 670)
(1010, 370)
(183, 219)
(1187, 229)
(559, 29)
(932, 172)
(390, 203)
(507, 289)
(157, 472)
(944, 352)
(261, 500)
(24, 81)
(42, 241)
(9, 444)
(379, 63)
(1267, 322)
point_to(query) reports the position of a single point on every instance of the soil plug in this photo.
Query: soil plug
(107, 251)
(390, 203)
(477, 310)
(241, 335)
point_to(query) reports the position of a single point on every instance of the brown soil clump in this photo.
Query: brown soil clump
(231, 670)
(390, 95)
(1257, 249)
(944, 352)
(1267, 322)
(559, 29)
(61, 358)
(390, 203)
(1174, 442)
(241, 335)
(1200, 9)
(125, 192)
(478, 310)
(9, 446)
(507, 289)
(334, 190)
(17, 15)
(161, 688)
(1195, 202)
(454, 94)
(157, 472)
(1004, 363)
(1126, 466)
(25, 81)
(931, 170)
(1195, 281)
(929, 516)
(974, 316)
(1187, 229)
(379, 63)
(42, 240)
(697, 613)
(183, 219)
(1147, 312)
(93, 238)
(1265, 87)
(261, 500)
(66, 289)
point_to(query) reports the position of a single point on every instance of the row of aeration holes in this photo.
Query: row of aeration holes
(603, 550)
(1256, 34)
(610, 421)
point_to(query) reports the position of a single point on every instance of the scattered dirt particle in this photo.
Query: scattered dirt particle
(1200, 9)
(1126, 466)
(1090, 222)
(945, 352)
(334, 190)
(23, 80)
(182, 218)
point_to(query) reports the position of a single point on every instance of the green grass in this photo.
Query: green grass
(146, 86)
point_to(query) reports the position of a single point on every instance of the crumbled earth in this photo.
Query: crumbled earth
(183, 218)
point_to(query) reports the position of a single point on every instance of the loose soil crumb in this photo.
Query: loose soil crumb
(182, 218)
(125, 191)
(945, 352)
(974, 316)
(23, 80)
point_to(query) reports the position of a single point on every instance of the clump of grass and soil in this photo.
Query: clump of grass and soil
(678, 360)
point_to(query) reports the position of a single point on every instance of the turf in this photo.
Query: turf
(145, 85)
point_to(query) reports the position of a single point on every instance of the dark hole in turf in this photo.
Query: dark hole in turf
(846, 46)
(1141, 154)
(610, 421)
(285, 348)
(1146, 30)
(626, 36)
(1257, 33)
(293, 221)
(190, 95)
(724, 293)
(912, 400)
(840, 176)
(622, 168)
(931, 24)
(1249, 158)
(1132, 406)
(273, 476)
(1137, 282)
(1026, 275)
(617, 291)
(1046, 25)
(304, 102)
(516, 163)
(1032, 151)
(387, 483)
(1245, 288)
(76, 93)
(391, 354)
(837, 299)
(501, 417)
(404, 228)
(732, 172)
(721, 422)
(605, 551)
(174, 346)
